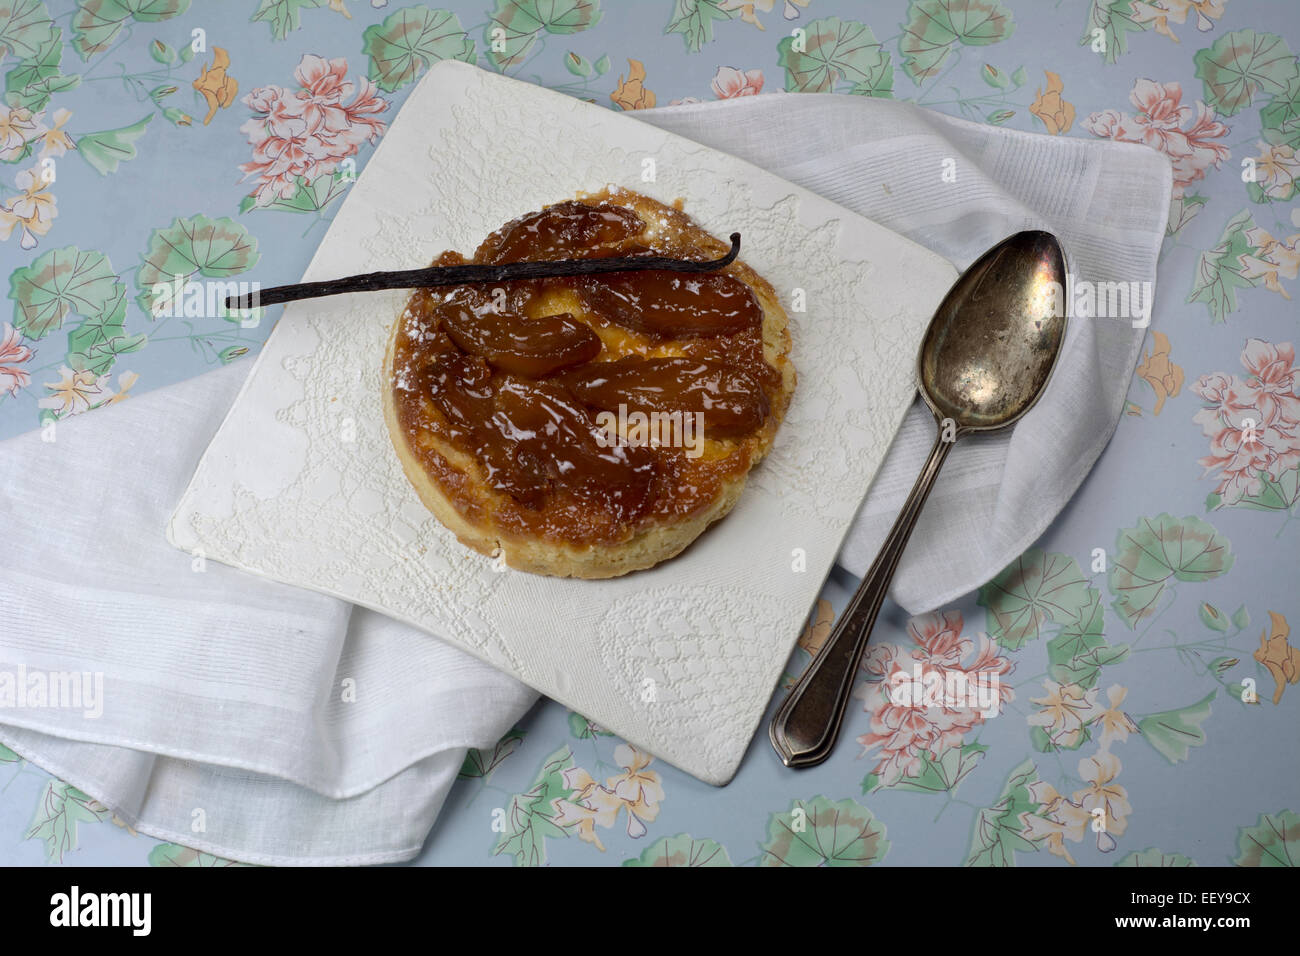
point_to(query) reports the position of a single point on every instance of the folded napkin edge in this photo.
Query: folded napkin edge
(189, 840)
(744, 102)
(153, 749)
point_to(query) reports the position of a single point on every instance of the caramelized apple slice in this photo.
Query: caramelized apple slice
(513, 343)
(673, 304)
(732, 402)
(552, 435)
(461, 388)
(566, 230)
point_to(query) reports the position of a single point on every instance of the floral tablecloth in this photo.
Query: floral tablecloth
(1144, 643)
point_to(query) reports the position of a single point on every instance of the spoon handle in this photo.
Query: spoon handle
(805, 727)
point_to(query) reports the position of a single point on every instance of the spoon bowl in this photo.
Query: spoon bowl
(991, 346)
(985, 359)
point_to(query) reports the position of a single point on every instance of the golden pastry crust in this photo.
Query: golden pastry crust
(562, 540)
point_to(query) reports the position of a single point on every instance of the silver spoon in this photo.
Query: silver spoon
(985, 359)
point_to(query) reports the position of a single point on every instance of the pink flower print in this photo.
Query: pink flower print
(308, 132)
(321, 102)
(1230, 402)
(729, 82)
(1161, 123)
(12, 354)
(905, 726)
(1107, 123)
(1160, 105)
(904, 733)
(324, 80)
(1245, 450)
(1253, 423)
(1193, 152)
(1275, 378)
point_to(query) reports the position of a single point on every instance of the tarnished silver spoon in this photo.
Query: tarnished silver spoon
(985, 359)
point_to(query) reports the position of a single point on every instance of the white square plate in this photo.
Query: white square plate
(301, 483)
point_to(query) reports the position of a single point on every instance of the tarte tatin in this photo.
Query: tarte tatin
(588, 426)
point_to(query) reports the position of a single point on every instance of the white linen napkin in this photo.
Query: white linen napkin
(256, 721)
(958, 188)
(270, 724)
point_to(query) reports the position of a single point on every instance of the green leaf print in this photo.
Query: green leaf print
(1182, 210)
(1242, 64)
(584, 729)
(306, 197)
(939, 774)
(216, 248)
(95, 344)
(1109, 24)
(61, 809)
(529, 816)
(1174, 732)
(25, 28)
(998, 834)
(1153, 857)
(682, 850)
(1156, 550)
(44, 62)
(693, 19)
(33, 81)
(515, 26)
(1082, 635)
(818, 832)
(62, 281)
(563, 16)
(479, 764)
(108, 148)
(933, 26)
(1079, 652)
(1033, 589)
(1045, 743)
(1219, 270)
(1275, 494)
(173, 854)
(96, 23)
(283, 16)
(835, 52)
(410, 41)
(36, 96)
(510, 35)
(1280, 120)
(1273, 841)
